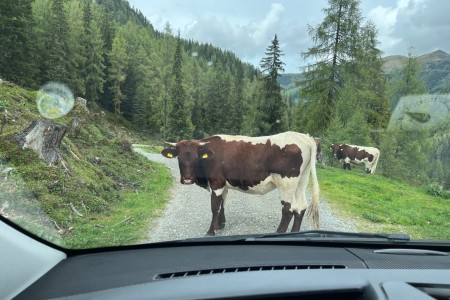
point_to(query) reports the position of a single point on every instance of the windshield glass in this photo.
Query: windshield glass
(129, 122)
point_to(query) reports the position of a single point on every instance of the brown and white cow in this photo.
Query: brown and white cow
(356, 154)
(255, 165)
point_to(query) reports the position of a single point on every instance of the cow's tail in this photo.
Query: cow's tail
(375, 162)
(314, 207)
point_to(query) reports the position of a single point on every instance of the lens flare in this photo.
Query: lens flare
(54, 100)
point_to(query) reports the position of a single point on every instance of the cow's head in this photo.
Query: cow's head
(188, 153)
(335, 149)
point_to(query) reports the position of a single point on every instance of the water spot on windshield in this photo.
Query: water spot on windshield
(417, 112)
(54, 100)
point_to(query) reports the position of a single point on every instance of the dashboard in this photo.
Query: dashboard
(247, 270)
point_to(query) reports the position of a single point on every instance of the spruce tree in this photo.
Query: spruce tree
(180, 126)
(272, 107)
(93, 47)
(237, 102)
(108, 30)
(74, 15)
(167, 38)
(117, 75)
(16, 44)
(57, 64)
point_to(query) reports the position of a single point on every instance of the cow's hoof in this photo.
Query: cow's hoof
(210, 234)
(221, 225)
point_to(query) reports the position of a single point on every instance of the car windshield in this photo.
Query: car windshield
(130, 122)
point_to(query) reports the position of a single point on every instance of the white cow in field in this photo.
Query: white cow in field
(357, 154)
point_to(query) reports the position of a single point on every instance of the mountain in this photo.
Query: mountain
(395, 62)
(288, 80)
(437, 55)
(288, 83)
(435, 69)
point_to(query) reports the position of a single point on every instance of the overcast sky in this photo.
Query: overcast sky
(246, 27)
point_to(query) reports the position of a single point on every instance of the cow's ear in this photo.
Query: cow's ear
(169, 153)
(205, 153)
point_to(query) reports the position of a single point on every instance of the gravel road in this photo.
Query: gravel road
(188, 213)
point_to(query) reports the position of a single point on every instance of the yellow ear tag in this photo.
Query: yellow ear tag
(169, 155)
(205, 155)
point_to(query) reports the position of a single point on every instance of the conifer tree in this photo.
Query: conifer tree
(117, 75)
(108, 30)
(180, 126)
(16, 57)
(409, 82)
(167, 38)
(74, 15)
(273, 107)
(93, 46)
(333, 46)
(237, 102)
(369, 80)
(57, 64)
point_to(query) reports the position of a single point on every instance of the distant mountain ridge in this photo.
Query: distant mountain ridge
(435, 70)
(394, 62)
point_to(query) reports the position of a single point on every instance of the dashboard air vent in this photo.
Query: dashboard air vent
(245, 269)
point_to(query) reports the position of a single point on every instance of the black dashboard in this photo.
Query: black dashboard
(250, 271)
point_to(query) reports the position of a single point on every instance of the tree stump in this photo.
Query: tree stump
(44, 138)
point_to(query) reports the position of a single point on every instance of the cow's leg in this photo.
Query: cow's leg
(222, 219)
(298, 218)
(347, 163)
(286, 217)
(299, 203)
(344, 166)
(216, 202)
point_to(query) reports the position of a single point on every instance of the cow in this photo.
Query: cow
(356, 154)
(254, 165)
(319, 150)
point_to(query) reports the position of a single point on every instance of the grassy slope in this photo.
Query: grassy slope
(116, 190)
(384, 205)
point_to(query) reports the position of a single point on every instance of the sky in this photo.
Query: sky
(247, 27)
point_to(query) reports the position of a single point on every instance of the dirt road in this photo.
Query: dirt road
(188, 213)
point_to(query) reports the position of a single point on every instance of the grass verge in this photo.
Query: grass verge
(100, 194)
(384, 205)
(127, 222)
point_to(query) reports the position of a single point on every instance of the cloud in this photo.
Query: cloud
(243, 37)
(244, 27)
(426, 28)
(385, 19)
(422, 24)
(268, 26)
